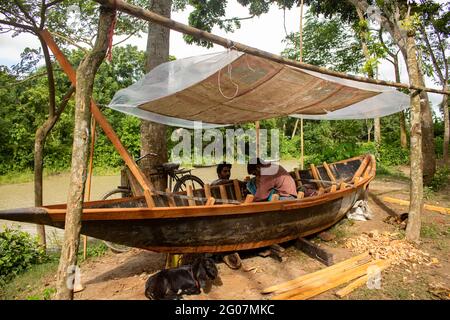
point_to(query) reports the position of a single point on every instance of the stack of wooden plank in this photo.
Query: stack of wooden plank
(315, 283)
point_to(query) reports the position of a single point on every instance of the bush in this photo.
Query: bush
(440, 179)
(18, 251)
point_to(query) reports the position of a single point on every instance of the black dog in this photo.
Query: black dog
(173, 283)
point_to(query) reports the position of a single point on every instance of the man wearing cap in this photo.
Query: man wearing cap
(270, 179)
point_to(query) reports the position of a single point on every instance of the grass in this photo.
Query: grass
(384, 171)
(31, 283)
(395, 287)
(430, 231)
(36, 283)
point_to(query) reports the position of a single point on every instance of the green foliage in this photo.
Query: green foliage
(18, 252)
(440, 179)
(327, 43)
(97, 249)
(46, 294)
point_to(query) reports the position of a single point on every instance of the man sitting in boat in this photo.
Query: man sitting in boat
(270, 179)
(223, 174)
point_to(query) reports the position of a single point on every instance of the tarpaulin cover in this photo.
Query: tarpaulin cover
(231, 87)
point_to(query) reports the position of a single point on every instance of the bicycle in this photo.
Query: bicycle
(182, 178)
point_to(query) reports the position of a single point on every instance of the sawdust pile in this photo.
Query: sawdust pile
(388, 245)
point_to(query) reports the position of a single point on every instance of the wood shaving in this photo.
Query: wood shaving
(386, 245)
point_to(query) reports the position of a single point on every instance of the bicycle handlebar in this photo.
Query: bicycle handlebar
(146, 155)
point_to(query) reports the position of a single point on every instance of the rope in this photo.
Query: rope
(230, 68)
(110, 38)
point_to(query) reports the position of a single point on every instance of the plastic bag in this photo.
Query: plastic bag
(360, 211)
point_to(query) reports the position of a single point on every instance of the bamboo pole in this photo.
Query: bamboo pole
(104, 124)
(442, 210)
(201, 34)
(257, 138)
(302, 158)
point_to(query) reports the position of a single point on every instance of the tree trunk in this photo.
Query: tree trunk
(403, 135)
(153, 135)
(39, 143)
(445, 110)
(401, 114)
(84, 84)
(428, 147)
(377, 130)
(416, 192)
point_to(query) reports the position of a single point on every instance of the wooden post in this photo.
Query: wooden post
(275, 197)
(210, 201)
(315, 252)
(315, 174)
(300, 195)
(104, 124)
(170, 198)
(207, 190)
(302, 158)
(249, 198)
(223, 192)
(257, 138)
(190, 194)
(237, 190)
(329, 173)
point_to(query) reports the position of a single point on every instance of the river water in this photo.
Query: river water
(21, 195)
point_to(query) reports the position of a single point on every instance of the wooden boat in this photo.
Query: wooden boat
(194, 222)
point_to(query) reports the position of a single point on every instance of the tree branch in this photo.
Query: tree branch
(50, 76)
(433, 57)
(25, 12)
(72, 42)
(18, 25)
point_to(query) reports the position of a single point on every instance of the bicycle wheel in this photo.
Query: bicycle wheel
(189, 179)
(115, 194)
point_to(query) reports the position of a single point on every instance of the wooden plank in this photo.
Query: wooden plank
(329, 173)
(315, 251)
(360, 281)
(249, 198)
(316, 175)
(321, 191)
(237, 190)
(364, 257)
(323, 285)
(275, 197)
(223, 192)
(210, 201)
(101, 120)
(190, 193)
(361, 169)
(207, 190)
(442, 210)
(170, 198)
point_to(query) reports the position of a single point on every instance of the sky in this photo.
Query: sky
(265, 32)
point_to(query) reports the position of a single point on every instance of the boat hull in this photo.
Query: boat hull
(202, 228)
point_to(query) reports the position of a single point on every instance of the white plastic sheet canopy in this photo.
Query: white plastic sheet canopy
(231, 87)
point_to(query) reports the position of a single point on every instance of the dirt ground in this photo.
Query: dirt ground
(123, 276)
